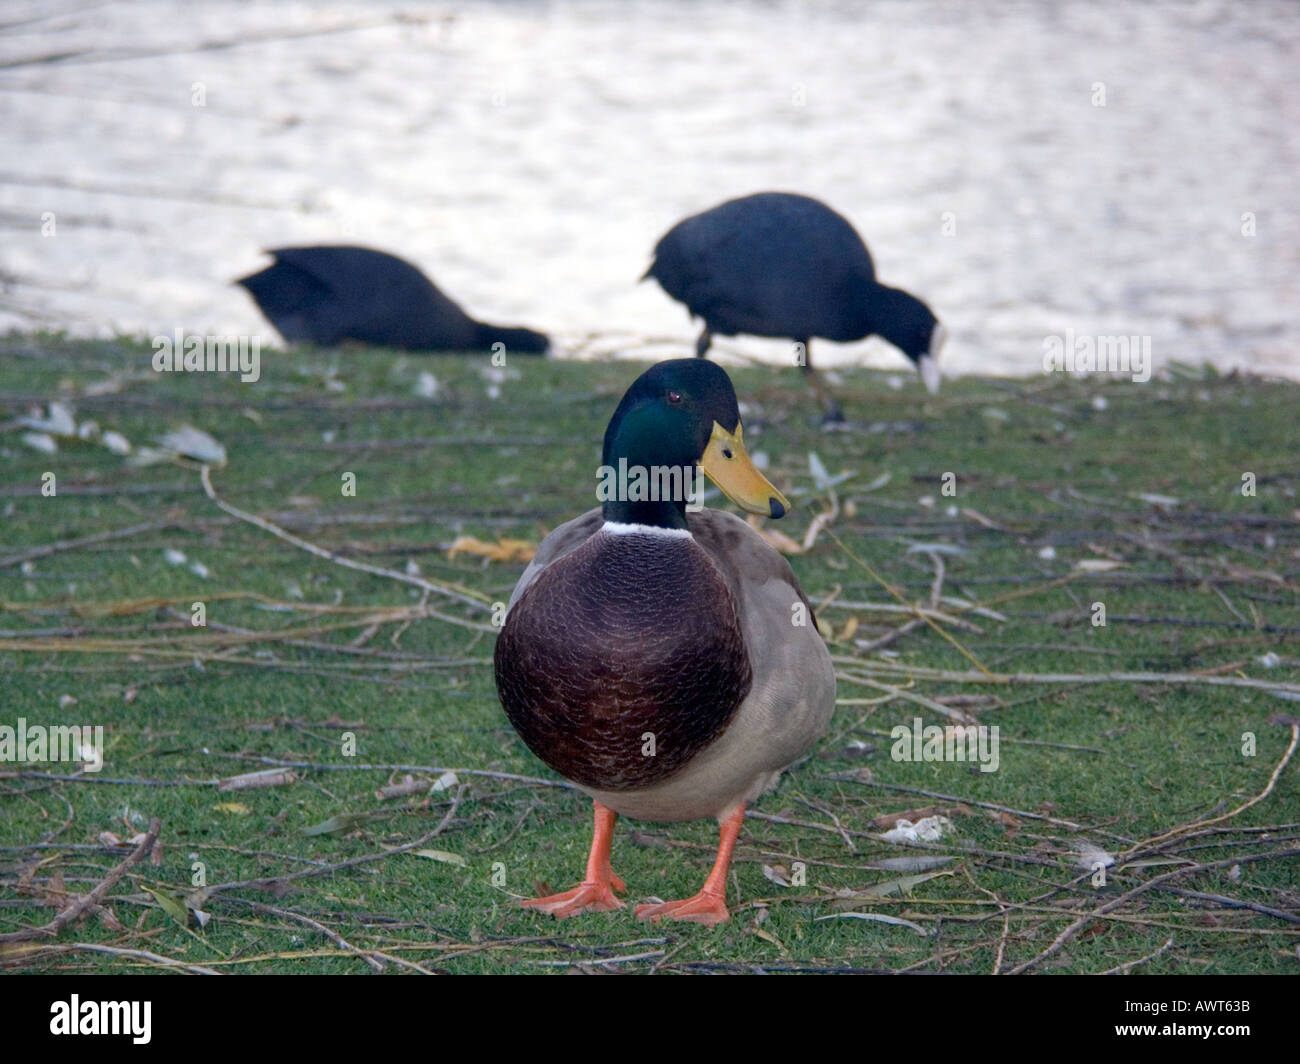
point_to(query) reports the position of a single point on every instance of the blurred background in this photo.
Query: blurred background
(1111, 168)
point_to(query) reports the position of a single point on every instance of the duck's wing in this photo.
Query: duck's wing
(793, 690)
(564, 540)
(747, 562)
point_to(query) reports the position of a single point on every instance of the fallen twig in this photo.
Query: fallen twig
(94, 898)
(1075, 927)
(1122, 968)
(446, 590)
(1182, 828)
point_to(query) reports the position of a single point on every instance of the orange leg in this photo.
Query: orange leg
(709, 906)
(594, 892)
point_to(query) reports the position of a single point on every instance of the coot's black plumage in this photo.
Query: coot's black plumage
(325, 295)
(780, 264)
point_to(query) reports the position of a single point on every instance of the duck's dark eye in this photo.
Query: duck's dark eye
(674, 397)
(726, 453)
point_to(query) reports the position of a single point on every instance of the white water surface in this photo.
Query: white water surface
(528, 155)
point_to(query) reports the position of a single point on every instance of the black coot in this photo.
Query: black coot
(325, 295)
(779, 264)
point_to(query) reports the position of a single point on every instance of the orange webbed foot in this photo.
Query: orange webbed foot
(587, 895)
(705, 908)
(709, 906)
(597, 890)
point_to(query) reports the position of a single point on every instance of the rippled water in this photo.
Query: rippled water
(528, 156)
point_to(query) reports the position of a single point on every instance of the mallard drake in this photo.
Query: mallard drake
(665, 659)
(780, 264)
(326, 295)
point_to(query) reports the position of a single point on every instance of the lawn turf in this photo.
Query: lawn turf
(1048, 472)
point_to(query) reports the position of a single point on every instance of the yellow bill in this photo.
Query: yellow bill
(726, 463)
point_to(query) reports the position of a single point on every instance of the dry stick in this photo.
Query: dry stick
(892, 636)
(898, 595)
(85, 541)
(907, 696)
(1272, 780)
(929, 847)
(280, 533)
(850, 778)
(204, 893)
(935, 613)
(936, 592)
(401, 963)
(511, 776)
(936, 588)
(137, 954)
(1121, 969)
(64, 778)
(594, 961)
(1233, 903)
(917, 672)
(529, 809)
(94, 898)
(332, 935)
(186, 644)
(848, 841)
(1228, 602)
(1002, 940)
(1018, 742)
(1141, 888)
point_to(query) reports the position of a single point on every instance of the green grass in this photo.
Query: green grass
(1206, 585)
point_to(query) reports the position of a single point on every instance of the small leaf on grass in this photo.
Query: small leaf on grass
(426, 386)
(116, 442)
(880, 918)
(504, 550)
(1006, 820)
(169, 905)
(443, 782)
(910, 864)
(903, 885)
(189, 442)
(337, 824)
(1155, 862)
(445, 856)
(1155, 499)
(778, 874)
(937, 548)
(232, 808)
(1098, 565)
(767, 936)
(818, 470)
(61, 421)
(40, 441)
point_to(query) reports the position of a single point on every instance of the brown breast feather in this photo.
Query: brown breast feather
(625, 635)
